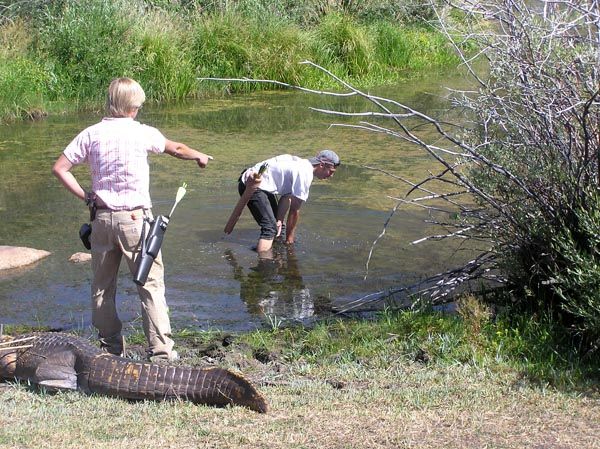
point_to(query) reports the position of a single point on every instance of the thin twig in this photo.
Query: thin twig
(10, 348)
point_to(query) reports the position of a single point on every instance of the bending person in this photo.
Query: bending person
(117, 149)
(281, 191)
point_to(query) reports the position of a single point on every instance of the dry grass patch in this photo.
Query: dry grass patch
(407, 405)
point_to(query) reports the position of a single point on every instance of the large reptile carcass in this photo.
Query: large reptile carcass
(62, 361)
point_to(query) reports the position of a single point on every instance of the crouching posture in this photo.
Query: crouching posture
(281, 189)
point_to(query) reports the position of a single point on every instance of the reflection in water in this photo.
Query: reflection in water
(275, 286)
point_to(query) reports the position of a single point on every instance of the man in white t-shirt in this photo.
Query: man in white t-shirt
(281, 190)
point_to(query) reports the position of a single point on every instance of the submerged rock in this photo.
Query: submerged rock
(80, 257)
(19, 256)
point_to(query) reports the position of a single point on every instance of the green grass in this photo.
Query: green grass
(536, 347)
(23, 83)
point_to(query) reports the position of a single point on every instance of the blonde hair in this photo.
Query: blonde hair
(124, 95)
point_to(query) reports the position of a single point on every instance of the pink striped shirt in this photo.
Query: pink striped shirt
(116, 150)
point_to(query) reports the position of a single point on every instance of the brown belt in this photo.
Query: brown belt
(119, 210)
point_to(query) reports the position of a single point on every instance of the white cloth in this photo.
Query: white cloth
(116, 150)
(285, 174)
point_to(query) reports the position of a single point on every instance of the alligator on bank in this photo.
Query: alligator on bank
(62, 361)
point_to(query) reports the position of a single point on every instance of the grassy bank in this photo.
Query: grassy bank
(404, 379)
(57, 56)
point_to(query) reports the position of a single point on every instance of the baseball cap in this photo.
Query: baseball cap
(326, 156)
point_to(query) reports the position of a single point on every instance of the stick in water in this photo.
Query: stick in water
(239, 207)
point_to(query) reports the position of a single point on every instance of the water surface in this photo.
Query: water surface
(213, 280)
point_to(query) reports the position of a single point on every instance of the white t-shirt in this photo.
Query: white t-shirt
(285, 174)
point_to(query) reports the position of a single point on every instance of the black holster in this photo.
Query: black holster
(150, 247)
(85, 231)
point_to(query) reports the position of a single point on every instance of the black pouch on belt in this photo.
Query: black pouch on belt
(86, 229)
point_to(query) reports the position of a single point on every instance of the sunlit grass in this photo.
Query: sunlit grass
(68, 55)
(405, 379)
(23, 83)
(535, 347)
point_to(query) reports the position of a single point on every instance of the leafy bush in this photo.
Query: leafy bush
(88, 44)
(23, 83)
(537, 161)
(520, 168)
(568, 270)
(345, 45)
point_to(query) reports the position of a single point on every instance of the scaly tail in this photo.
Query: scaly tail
(120, 377)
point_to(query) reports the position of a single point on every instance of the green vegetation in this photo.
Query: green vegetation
(54, 54)
(538, 170)
(536, 347)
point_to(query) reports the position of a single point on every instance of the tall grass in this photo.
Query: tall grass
(68, 51)
(345, 46)
(165, 67)
(234, 46)
(86, 44)
(22, 80)
(22, 84)
(410, 48)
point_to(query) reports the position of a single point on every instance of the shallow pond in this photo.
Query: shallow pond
(213, 280)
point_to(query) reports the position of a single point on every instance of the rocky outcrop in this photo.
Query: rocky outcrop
(80, 258)
(19, 256)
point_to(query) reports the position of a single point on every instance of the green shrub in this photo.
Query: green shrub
(532, 137)
(22, 83)
(345, 45)
(88, 44)
(575, 266)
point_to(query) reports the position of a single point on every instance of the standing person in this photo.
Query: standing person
(288, 177)
(116, 149)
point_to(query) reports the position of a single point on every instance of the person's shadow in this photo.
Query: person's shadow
(274, 286)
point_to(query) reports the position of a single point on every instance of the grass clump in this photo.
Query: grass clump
(166, 68)
(233, 46)
(78, 42)
(23, 80)
(411, 48)
(346, 46)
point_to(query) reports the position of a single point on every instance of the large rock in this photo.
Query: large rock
(19, 256)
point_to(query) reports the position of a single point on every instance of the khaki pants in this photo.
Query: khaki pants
(116, 234)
